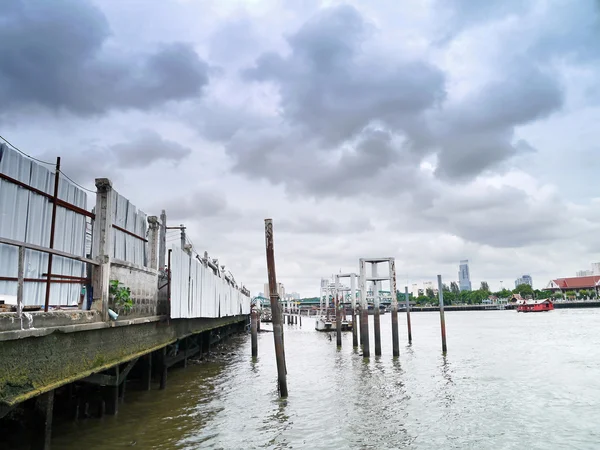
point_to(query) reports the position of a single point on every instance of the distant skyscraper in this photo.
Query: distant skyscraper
(525, 279)
(280, 290)
(464, 277)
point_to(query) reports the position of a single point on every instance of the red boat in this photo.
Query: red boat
(536, 306)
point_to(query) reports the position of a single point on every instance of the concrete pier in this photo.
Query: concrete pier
(90, 363)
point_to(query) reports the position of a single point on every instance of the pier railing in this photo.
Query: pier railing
(20, 279)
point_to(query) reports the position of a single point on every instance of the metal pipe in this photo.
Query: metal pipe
(442, 319)
(408, 315)
(21, 278)
(169, 282)
(353, 305)
(275, 309)
(364, 311)
(338, 313)
(376, 311)
(52, 230)
(254, 332)
(395, 340)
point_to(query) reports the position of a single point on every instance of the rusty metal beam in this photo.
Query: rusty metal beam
(39, 248)
(116, 227)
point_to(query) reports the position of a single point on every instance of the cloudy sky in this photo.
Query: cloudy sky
(431, 131)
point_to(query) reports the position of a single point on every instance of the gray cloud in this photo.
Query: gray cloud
(147, 148)
(325, 226)
(333, 94)
(56, 54)
(333, 91)
(93, 160)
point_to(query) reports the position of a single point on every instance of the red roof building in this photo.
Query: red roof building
(574, 283)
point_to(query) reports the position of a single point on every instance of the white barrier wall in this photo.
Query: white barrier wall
(197, 292)
(26, 216)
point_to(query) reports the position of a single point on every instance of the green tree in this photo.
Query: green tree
(524, 289)
(504, 293)
(570, 294)
(429, 293)
(421, 300)
(464, 297)
(449, 298)
(542, 295)
(557, 295)
(476, 297)
(484, 286)
(454, 287)
(445, 287)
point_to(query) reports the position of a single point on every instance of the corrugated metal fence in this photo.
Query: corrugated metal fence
(196, 291)
(25, 216)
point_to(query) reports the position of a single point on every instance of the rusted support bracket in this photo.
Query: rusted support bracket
(102, 379)
(170, 361)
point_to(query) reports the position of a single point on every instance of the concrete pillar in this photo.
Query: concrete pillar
(153, 231)
(102, 245)
(122, 388)
(162, 242)
(146, 363)
(205, 337)
(163, 368)
(111, 396)
(42, 421)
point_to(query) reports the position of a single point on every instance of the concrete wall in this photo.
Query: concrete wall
(39, 319)
(143, 283)
(34, 365)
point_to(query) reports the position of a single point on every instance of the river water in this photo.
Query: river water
(509, 381)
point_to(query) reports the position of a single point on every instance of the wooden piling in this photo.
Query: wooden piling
(353, 306)
(364, 311)
(254, 332)
(360, 327)
(338, 322)
(338, 313)
(376, 311)
(42, 421)
(146, 361)
(408, 315)
(395, 340)
(442, 319)
(275, 309)
(163, 369)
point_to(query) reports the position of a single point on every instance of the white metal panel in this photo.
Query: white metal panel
(127, 216)
(26, 216)
(197, 292)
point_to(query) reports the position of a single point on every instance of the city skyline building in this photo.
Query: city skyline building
(464, 276)
(280, 290)
(525, 279)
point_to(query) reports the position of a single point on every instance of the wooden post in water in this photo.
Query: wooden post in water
(408, 315)
(353, 304)
(395, 340)
(376, 311)
(254, 332)
(338, 313)
(364, 311)
(442, 319)
(276, 313)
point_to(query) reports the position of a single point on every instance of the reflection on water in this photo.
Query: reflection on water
(475, 397)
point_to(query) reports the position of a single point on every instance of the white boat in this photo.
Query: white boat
(323, 324)
(326, 320)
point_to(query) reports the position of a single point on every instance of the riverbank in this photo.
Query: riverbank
(557, 305)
